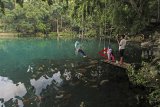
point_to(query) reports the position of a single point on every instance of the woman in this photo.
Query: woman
(122, 45)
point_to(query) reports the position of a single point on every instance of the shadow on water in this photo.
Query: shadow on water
(90, 84)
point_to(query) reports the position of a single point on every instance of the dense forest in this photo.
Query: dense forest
(89, 18)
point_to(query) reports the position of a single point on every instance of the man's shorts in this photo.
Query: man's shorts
(121, 52)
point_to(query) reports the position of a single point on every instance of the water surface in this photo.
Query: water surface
(38, 72)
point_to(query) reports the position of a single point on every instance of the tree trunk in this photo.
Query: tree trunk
(14, 3)
(82, 27)
(158, 12)
(100, 31)
(61, 22)
(57, 30)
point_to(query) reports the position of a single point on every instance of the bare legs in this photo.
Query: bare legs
(121, 60)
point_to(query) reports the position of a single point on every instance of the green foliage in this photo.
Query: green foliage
(25, 27)
(142, 76)
(20, 2)
(125, 16)
(41, 26)
(91, 33)
(52, 34)
(39, 34)
(2, 6)
(147, 78)
(154, 98)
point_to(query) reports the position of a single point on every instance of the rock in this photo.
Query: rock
(55, 88)
(82, 70)
(94, 86)
(146, 44)
(72, 65)
(154, 61)
(93, 62)
(90, 66)
(67, 75)
(30, 69)
(92, 80)
(59, 96)
(82, 104)
(74, 83)
(103, 82)
(78, 75)
(94, 73)
(33, 76)
(52, 70)
(40, 68)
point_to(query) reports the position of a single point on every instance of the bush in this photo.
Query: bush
(52, 34)
(39, 34)
(154, 98)
(91, 33)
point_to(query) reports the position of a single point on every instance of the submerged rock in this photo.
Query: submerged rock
(59, 96)
(93, 62)
(94, 73)
(90, 66)
(67, 75)
(103, 82)
(82, 104)
(78, 75)
(40, 68)
(74, 83)
(82, 70)
(72, 65)
(30, 69)
(52, 70)
(94, 86)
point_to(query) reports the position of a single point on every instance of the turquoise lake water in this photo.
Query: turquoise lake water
(23, 63)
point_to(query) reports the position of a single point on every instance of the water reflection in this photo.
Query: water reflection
(9, 90)
(42, 68)
(44, 81)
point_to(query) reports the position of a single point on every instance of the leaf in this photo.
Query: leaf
(2, 7)
(50, 2)
(20, 2)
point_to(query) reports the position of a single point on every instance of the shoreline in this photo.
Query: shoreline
(10, 35)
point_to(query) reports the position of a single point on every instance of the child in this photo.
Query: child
(108, 54)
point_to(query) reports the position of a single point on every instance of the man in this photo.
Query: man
(122, 45)
(78, 49)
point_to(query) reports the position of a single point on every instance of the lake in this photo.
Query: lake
(48, 73)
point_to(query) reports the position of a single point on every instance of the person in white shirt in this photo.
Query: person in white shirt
(122, 45)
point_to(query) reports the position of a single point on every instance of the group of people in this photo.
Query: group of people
(106, 52)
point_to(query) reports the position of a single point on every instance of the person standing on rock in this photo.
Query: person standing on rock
(122, 45)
